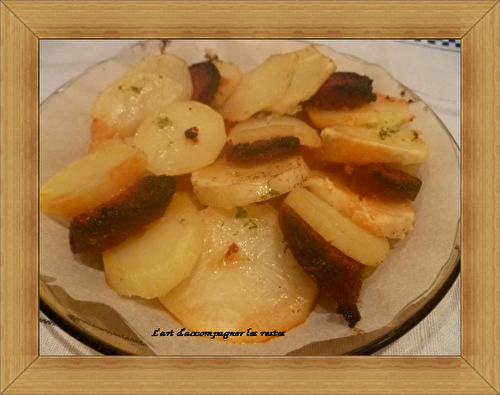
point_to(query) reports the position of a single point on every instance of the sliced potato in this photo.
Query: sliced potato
(228, 185)
(260, 87)
(311, 71)
(121, 108)
(392, 219)
(384, 112)
(266, 127)
(361, 145)
(245, 278)
(152, 263)
(162, 136)
(230, 78)
(166, 65)
(341, 232)
(92, 180)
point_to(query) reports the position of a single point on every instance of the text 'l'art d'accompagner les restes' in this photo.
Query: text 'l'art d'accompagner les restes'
(215, 334)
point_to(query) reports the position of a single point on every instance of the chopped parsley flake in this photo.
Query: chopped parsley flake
(386, 132)
(135, 89)
(273, 192)
(241, 212)
(415, 136)
(164, 122)
(251, 224)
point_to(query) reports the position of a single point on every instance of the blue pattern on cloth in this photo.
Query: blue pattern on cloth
(450, 45)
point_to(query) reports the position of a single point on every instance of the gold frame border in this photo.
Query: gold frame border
(23, 23)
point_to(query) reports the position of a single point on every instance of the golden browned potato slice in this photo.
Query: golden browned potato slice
(341, 232)
(120, 109)
(260, 87)
(227, 185)
(92, 180)
(181, 138)
(386, 218)
(361, 145)
(311, 71)
(245, 278)
(166, 65)
(152, 263)
(384, 112)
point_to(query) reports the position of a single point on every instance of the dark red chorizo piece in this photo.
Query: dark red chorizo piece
(337, 275)
(111, 224)
(262, 149)
(381, 180)
(343, 91)
(206, 79)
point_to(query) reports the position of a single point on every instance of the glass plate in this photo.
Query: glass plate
(67, 293)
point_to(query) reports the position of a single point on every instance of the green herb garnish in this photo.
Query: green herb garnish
(241, 212)
(386, 132)
(251, 224)
(164, 122)
(135, 89)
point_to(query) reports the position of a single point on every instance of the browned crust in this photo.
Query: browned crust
(262, 149)
(343, 90)
(112, 223)
(337, 275)
(206, 79)
(381, 180)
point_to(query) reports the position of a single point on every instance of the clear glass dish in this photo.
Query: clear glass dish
(96, 316)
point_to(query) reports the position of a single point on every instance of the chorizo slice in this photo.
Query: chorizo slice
(336, 275)
(262, 149)
(343, 91)
(206, 79)
(112, 223)
(381, 180)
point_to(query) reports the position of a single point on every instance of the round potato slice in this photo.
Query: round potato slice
(92, 180)
(361, 145)
(245, 278)
(354, 241)
(311, 71)
(152, 263)
(386, 218)
(260, 87)
(227, 185)
(385, 112)
(121, 108)
(166, 65)
(181, 138)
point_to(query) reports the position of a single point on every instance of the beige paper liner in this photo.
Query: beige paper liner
(408, 274)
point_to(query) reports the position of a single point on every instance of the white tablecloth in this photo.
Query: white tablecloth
(431, 70)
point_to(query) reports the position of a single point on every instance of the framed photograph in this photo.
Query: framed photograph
(25, 24)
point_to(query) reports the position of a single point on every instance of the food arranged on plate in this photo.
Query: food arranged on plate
(237, 197)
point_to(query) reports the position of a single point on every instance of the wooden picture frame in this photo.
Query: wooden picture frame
(23, 23)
